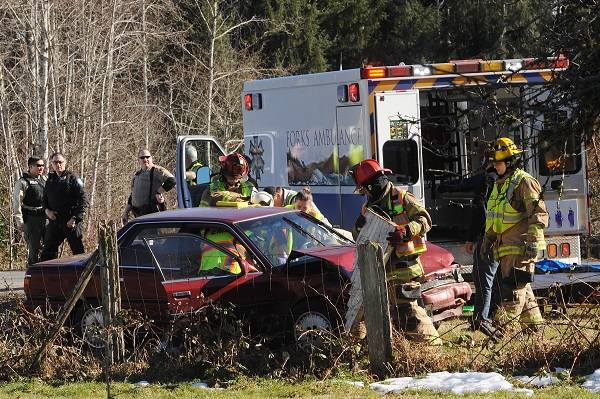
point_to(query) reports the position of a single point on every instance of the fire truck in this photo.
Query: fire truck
(430, 124)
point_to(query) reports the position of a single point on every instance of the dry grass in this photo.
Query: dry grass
(218, 347)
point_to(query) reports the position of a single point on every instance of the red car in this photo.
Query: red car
(286, 269)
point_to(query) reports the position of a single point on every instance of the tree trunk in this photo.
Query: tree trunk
(42, 141)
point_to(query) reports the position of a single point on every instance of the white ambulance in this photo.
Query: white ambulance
(430, 124)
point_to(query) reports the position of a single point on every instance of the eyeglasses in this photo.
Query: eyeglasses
(58, 162)
(146, 157)
(40, 165)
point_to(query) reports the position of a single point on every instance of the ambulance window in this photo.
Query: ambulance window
(207, 152)
(401, 156)
(557, 153)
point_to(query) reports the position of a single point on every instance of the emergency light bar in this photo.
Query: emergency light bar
(464, 66)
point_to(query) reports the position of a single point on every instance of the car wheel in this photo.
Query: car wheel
(313, 325)
(90, 324)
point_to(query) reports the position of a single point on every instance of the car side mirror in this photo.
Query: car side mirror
(203, 175)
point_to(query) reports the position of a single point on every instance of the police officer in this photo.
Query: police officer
(65, 204)
(28, 208)
(231, 184)
(514, 233)
(148, 185)
(404, 269)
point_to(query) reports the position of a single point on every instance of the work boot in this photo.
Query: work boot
(486, 327)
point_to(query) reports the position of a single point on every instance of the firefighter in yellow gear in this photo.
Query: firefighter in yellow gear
(515, 221)
(214, 260)
(231, 185)
(404, 269)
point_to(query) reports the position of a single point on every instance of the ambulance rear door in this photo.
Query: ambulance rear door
(398, 134)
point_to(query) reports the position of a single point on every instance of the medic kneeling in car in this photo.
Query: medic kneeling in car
(231, 185)
(404, 267)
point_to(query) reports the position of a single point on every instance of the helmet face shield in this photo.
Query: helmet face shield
(237, 170)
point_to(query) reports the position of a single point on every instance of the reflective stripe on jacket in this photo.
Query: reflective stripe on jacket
(399, 215)
(219, 185)
(213, 257)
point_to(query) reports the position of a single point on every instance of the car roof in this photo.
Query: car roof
(228, 215)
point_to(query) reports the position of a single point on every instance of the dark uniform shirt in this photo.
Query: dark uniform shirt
(65, 195)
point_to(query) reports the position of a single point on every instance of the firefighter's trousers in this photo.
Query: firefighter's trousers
(409, 317)
(518, 301)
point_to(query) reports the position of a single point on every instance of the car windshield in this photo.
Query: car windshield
(277, 236)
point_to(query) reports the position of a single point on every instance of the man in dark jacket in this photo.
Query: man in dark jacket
(28, 211)
(65, 203)
(484, 267)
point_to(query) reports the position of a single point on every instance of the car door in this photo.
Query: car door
(202, 149)
(191, 282)
(141, 279)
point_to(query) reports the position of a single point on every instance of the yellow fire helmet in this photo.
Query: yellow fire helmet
(504, 148)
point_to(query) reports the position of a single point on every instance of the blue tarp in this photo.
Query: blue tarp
(551, 266)
(555, 266)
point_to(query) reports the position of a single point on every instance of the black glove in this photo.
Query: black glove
(399, 236)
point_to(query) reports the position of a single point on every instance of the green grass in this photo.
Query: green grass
(251, 389)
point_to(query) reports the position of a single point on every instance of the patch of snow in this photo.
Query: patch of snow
(593, 382)
(200, 384)
(142, 384)
(538, 381)
(458, 383)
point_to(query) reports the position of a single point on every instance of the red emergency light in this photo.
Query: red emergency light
(565, 249)
(399, 71)
(248, 102)
(559, 62)
(353, 92)
(466, 66)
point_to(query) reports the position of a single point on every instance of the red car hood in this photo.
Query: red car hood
(436, 259)
(340, 256)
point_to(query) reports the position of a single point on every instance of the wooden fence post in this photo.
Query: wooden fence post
(376, 306)
(111, 290)
(376, 229)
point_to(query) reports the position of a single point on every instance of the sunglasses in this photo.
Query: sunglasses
(146, 157)
(58, 162)
(40, 165)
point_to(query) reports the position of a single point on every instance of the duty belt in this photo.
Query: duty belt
(32, 208)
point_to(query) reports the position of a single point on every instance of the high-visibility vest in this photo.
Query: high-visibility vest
(213, 257)
(289, 196)
(219, 185)
(501, 216)
(399, 215)
(194, 168)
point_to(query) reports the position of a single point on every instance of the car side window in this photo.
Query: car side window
(187, 252)
(223, 254)
(136, 253)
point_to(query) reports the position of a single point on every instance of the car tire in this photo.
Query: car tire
(89, 324)
(314, 324)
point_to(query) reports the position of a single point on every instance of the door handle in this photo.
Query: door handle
(182, 294)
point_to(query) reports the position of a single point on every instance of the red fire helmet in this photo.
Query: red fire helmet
(366, 170)
(234, 164)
